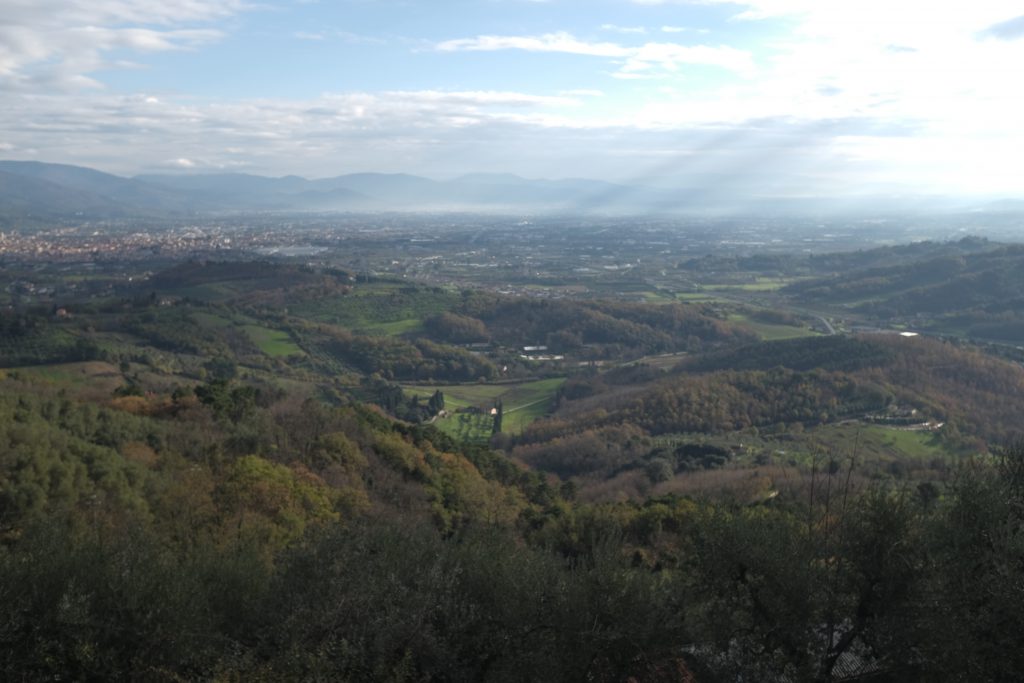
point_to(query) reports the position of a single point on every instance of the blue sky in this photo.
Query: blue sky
(305, 49)
(752, 98)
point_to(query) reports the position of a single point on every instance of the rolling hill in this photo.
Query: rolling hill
(975, 294)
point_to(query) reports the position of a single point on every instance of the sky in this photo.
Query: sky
(753, 98)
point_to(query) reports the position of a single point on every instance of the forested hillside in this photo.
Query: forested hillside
(977, 295)
(200, 482)
(232, 534)
(620, 419)
(837, 263)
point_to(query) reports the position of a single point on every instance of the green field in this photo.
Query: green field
(698, 297)
(392, 329)
(466, 426)
(770, 331)
(274, 343)
(760, 284)
(657, 297)
(67, 373)
(211, 291)
(463, 395)
(522, 404)
(907, 443)
(874, 447)
(873, 443)
(662, 361)
(211, 320)
(94, 376)
(388, 308)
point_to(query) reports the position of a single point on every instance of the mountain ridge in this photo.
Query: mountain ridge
(89, 193)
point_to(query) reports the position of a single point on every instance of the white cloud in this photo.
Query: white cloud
(669, 56)
(867, 94)
(670, 139)
(359, 130)
(343, 36)
(57, 43)
(683, 29)
(1010, 29)
(55, 13)
(938, 81)
(623, 29)
(829, 16)
(635, 62)
(549, 42)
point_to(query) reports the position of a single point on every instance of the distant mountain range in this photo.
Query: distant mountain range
(38, 191)
(45, 191)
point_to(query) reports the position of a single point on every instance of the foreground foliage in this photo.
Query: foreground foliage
(235, 535)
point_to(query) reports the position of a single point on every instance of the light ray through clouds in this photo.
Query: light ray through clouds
(750, 98)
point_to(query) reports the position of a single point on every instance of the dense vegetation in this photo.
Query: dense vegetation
(166, 539)
(197, 484)
(30, 338)
(614, 420)
(976, 294)
(402, 331)
(833, 264)
(614, 330)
